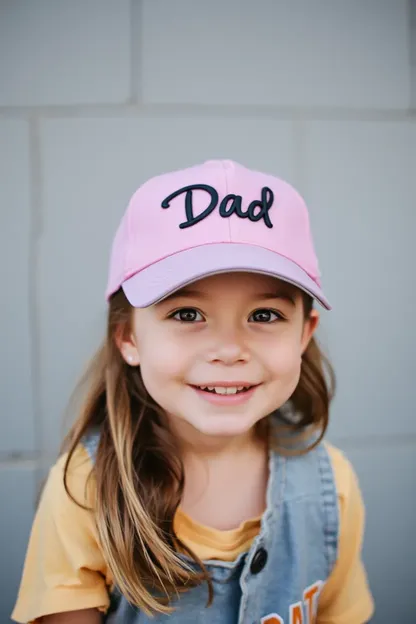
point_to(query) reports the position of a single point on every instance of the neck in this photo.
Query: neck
(225, 478)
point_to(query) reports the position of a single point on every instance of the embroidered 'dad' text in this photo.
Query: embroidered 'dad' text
(231, 204)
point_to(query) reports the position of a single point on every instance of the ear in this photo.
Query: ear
(309, 328)
(127, 346)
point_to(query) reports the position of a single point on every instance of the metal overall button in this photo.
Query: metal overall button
(259, 561)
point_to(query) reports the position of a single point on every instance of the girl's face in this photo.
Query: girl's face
(222, 353)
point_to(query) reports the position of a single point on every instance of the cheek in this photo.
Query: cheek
(161, 360)
(163, 371)
(284, 361)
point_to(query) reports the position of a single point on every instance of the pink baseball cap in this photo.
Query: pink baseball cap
(217, 217)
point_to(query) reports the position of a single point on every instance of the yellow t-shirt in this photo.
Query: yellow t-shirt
(65, 569)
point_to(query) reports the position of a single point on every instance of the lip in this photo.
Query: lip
(226, 384)
(226, 399)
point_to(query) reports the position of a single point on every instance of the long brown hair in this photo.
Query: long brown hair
(138, 471)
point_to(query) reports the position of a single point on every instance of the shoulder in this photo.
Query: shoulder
(350, 500)
(346, 595)
(64, 567)
(71, 480)
(346, 480)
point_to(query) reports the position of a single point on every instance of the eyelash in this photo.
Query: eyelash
(174, 314)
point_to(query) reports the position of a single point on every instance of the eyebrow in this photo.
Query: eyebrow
(277, 295)
(186, 293)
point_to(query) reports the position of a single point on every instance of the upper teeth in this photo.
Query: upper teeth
(222, 389)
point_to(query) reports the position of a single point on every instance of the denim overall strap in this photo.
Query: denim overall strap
(292, 557)
(90, 442)
(330, 506)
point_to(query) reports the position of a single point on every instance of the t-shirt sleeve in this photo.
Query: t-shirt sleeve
(64, 569)
(346, 597)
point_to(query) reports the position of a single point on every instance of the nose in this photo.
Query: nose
(229, 348)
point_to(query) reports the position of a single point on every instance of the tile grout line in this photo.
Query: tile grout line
(136, 65)
(35, 233)
(136, 109)
(370, 442)
(32, 464)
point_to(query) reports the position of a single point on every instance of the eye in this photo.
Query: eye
(187, 315)
(265, 315)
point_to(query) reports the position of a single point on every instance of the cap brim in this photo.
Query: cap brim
(164, 277)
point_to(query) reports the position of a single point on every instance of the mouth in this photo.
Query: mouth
(225, 390)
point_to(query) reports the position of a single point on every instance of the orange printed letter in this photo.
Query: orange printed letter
(273, 618)
(310, 596)
(296, 613)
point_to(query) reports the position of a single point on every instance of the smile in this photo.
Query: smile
(226, 394)
(224, 390)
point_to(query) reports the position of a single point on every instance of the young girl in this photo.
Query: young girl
(195, 484)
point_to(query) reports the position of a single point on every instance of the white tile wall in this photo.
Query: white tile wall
(298, 53)
(361, 187)
(387, 480)
(17, 493)
(57, 52)
(16, 390)
(98, 95)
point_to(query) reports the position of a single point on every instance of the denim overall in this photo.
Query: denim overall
(279, 579)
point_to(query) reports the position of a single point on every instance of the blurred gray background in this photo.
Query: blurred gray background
(98, 95)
